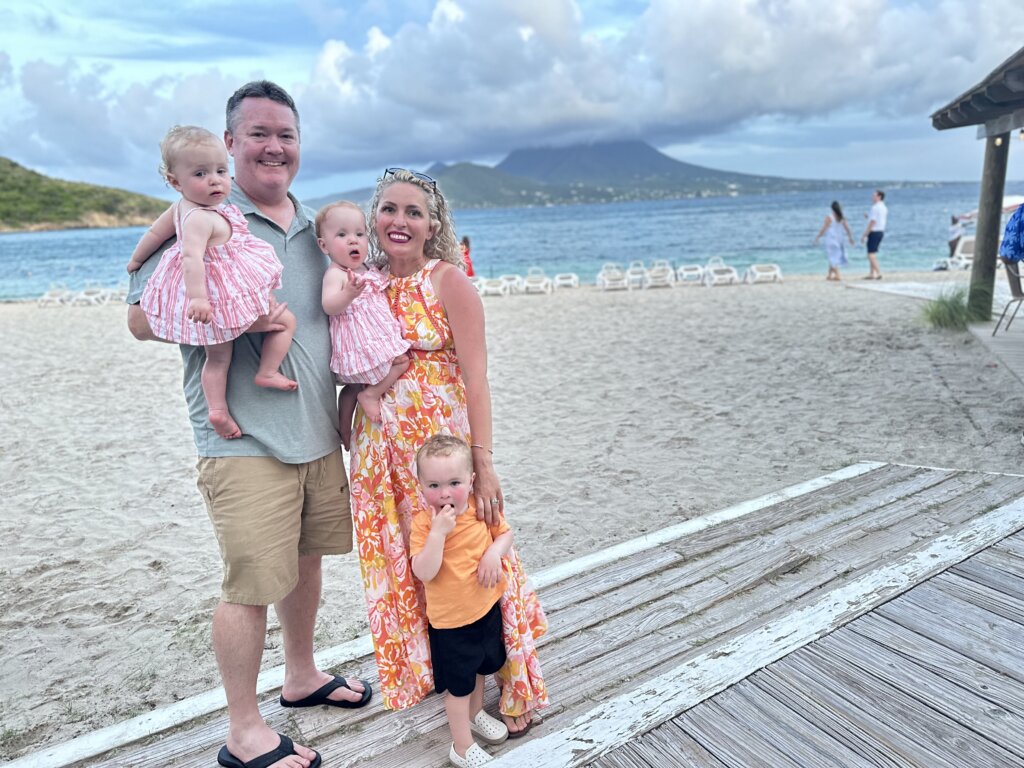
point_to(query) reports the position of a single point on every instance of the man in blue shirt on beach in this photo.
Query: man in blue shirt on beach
(278, 495)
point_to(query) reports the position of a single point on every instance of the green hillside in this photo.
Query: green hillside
(31, 201)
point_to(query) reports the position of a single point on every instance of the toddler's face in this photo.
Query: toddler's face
(446, 480)
(343, 238)
(200, 173)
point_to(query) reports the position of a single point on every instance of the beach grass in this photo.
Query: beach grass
(949, 311)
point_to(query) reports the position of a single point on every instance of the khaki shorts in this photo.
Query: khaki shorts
(267, 513)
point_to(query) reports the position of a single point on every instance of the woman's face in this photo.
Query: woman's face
(403, 220)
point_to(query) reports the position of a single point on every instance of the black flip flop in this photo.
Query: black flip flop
(285, 749)
(319, 697)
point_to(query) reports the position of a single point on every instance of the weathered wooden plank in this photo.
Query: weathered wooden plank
(992, 576)
(984, 597)
(893, 711)
(668, 745)
(826, 716)
(800, 739)
(916, 648)
(1013, 544)
(851, 651)
(871, 718)
(951, 612)
(710, 723)
(967, 641)
(637, 710)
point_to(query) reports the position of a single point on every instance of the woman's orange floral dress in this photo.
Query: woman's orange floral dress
(429, 398)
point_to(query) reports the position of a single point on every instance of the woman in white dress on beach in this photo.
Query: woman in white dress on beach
(833, 229)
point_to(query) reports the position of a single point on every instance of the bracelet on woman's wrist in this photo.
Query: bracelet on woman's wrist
(482, 447)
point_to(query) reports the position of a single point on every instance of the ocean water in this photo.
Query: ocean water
(580, 238)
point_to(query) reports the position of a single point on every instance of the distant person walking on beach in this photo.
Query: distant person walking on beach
(956, 231)
(367, 347)
(464, 246)
(458, 557)
(216, 279)
(874, 232)
(836, 232)
(276, 496)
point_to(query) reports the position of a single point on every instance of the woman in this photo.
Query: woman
(466, 259)
(413, 238)
(833, 228)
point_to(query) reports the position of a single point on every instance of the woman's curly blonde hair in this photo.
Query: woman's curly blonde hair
(443, 245)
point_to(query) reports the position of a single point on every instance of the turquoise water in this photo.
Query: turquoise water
(742, 230)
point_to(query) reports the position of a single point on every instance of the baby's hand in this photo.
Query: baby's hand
(354, 285)
(443, 520)
(488, 573)
(199, 310)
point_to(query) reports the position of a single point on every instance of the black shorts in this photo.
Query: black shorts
(459, 654)
(874, 240)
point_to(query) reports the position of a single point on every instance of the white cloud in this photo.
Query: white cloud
(462, 79)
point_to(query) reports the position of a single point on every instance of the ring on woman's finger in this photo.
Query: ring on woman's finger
(495, 501)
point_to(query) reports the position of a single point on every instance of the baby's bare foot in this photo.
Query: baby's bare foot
(275, 380)
(223, 424)
(371, 405)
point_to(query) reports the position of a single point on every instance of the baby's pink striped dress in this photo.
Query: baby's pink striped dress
(366, 337)
(241, 275)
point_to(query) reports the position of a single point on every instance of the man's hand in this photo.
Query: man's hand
(270, 321)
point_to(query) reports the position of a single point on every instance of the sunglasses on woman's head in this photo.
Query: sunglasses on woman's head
(414, 174)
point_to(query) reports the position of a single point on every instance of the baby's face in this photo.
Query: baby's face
(343, 237)
(446, 480)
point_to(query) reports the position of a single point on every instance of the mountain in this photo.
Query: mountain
(31, 201)
(594, 173)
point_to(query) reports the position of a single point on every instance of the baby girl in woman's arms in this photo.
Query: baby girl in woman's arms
(366, 339)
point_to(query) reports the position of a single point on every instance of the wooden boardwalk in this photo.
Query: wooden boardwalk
(871, 617)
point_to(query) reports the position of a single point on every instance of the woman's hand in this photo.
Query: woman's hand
(490, 503)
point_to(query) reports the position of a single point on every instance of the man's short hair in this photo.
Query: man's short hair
(880, 193)
(257, 89)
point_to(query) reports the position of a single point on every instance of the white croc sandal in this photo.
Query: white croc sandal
(488, 729)
(475, 757)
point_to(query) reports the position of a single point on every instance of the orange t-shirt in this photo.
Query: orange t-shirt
(454, 596)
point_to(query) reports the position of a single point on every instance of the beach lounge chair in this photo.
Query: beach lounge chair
(514, 283)
(636, 274)
(1016, 296)
(690, 274)
(717, 272)
(566, 280)
(762, 273)
(612, 278)
(57, 295)
(92, 294)
(492, 286)
(537, 282)
(660, 275)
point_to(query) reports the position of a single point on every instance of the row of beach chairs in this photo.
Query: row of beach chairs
(93, 294)
(661, 274)
(535, 281)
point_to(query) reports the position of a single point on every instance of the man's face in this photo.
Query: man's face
(265, 146)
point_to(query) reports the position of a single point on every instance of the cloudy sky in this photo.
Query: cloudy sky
(801, 88)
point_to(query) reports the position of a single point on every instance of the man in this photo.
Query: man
(277, 496)
(874, 233)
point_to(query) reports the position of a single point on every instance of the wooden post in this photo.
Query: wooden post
(986, 239)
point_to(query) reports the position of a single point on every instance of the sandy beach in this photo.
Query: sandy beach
(615, 414)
